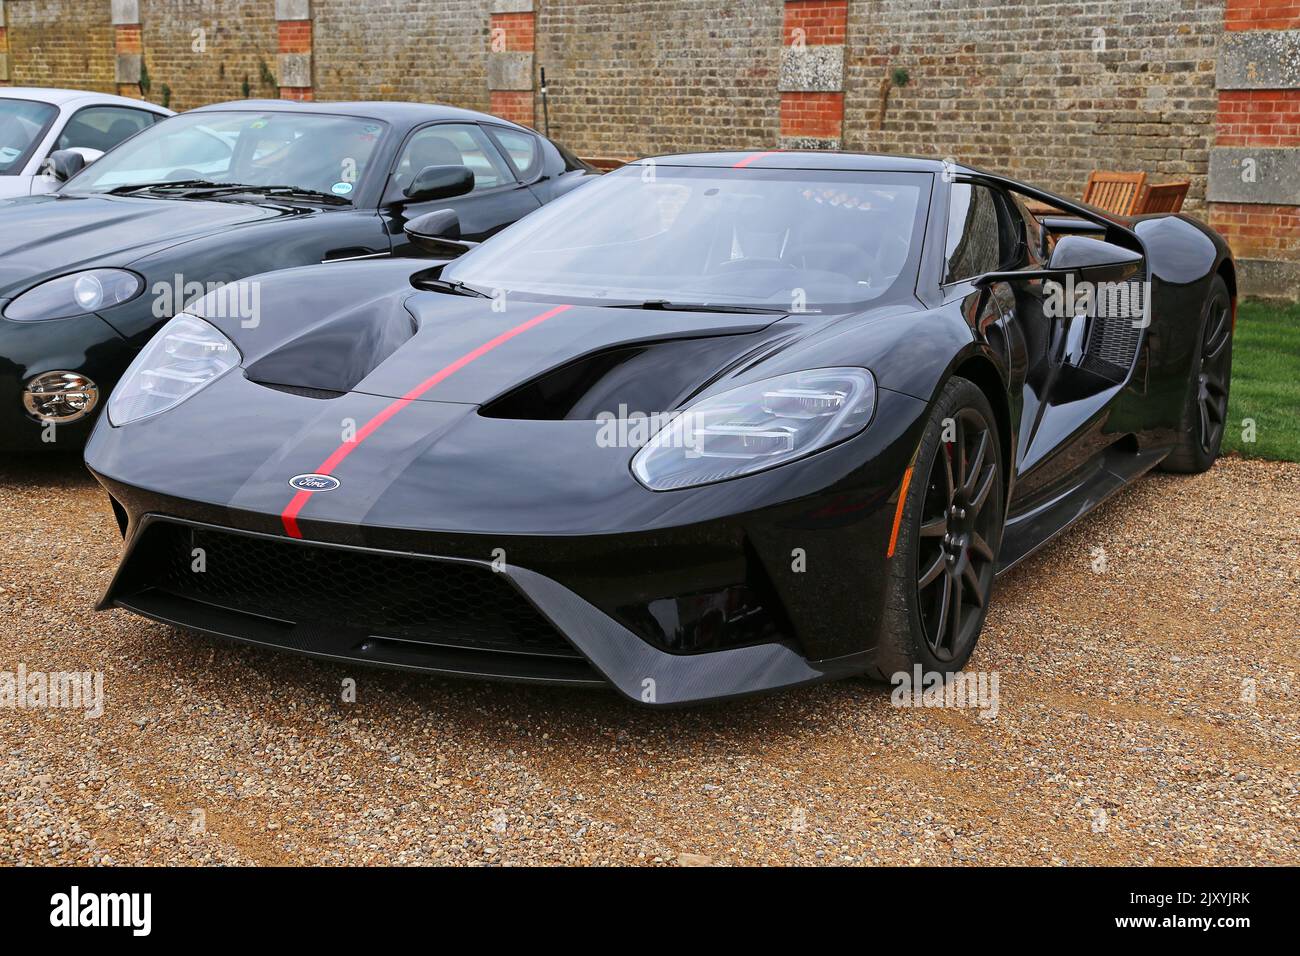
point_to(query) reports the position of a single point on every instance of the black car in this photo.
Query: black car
(88, 274)
(713, 425)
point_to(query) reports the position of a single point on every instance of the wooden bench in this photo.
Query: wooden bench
(1124, 194)
(1119, 193)
(1164, 197)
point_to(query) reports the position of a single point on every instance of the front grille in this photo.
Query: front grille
(392, 596)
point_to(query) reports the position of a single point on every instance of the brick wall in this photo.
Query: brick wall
(1202, 90)
(1254, 187)
(60, 43)
(205, 51)
(402, 50)
(646, 76)
(1258, 118)
(1043, 91)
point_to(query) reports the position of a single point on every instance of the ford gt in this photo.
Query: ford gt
(715, 424)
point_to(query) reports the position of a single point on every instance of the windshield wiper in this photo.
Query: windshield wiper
(155, 187)
(455, 288)
(288, 192)
(663, 305)
(205, 188)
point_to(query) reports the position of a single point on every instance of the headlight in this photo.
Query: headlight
(75, 294)
(185, 355)
(757, 426)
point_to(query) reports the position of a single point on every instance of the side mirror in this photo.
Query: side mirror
(63, 164)
(439, 182)
(1090, 260)
(438, 233)
(1094, 260)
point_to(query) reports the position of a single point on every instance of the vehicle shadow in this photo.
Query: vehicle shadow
(60, 469)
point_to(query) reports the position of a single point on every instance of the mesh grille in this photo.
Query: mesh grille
(411, 599)
(1114, 339)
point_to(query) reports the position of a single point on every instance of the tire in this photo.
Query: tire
(1205, 409)
(959, 542)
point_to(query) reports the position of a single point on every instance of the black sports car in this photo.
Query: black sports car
(713, 425)
(204, 199)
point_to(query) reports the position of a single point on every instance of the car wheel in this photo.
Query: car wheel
(946, 545)
(1205, 412)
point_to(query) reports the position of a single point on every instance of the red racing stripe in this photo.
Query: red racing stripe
(752, 157)
(289, 517)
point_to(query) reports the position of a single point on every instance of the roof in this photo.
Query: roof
(387, 110)
(61, 97)
(810, 159)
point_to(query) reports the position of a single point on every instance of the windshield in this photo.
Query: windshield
(776, 238)
(320, 153)
(22, 123)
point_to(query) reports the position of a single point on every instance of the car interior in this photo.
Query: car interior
(772, 242)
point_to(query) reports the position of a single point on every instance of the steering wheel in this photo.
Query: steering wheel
(757, 262)
(184, 173)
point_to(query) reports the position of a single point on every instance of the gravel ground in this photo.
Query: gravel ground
(1124, 734)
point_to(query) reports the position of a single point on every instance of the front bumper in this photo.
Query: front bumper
(770, 581)
(367, 606)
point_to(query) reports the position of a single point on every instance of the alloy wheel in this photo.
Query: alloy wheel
(959, 520)
(1212, 380)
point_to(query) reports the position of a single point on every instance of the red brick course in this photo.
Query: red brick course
(1256, 231)
(1261, 14)
(513, 32)
(294, 36)
(1258, 118)
(822, 22)
(127, 39)
(819, 115)
(514, 105)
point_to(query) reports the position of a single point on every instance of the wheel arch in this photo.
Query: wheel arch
(980, 370)
(1228, 272)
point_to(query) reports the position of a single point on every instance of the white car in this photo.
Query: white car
(34, 123)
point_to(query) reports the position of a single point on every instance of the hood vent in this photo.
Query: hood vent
(646, 378)
(330, 357)
(302, 391)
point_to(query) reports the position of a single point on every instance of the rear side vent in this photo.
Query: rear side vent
(1116, 333)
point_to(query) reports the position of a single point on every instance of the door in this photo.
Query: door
(1074, 337)
(92, 131)
(497, 200)
(985, 233)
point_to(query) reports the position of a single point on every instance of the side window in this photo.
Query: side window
(523, 150)
(102, 127)
(975, 236)
(1033, 229)
(454, 144)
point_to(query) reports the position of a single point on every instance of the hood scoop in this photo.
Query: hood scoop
(644, 378)
(331, 357)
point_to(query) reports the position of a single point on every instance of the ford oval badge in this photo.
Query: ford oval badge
(314, 482)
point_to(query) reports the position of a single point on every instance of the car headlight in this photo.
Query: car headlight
(756, 427)
(185, 355)
(76, 294)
